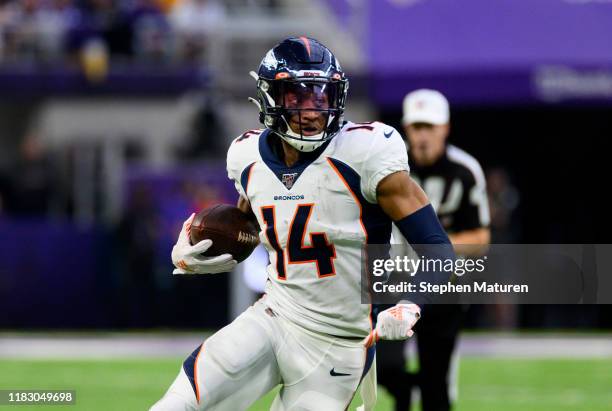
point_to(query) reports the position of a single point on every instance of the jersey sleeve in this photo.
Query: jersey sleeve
(240, 155)
(386, 155)
(231, 173)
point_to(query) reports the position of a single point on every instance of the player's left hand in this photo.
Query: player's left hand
(394, 323)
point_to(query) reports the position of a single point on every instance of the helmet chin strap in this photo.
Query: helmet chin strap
(304, 143)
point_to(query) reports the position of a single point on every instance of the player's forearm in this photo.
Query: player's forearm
(425, 234)
(471, 243)
(245, 206)
(404, 201)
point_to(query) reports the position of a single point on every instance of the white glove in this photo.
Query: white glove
(394, 323)
(187, 258)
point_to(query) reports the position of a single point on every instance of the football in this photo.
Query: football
(230, 230)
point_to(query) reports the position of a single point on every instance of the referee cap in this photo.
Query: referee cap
(425, 106)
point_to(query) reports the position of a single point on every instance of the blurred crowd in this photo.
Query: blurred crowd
(28, 184)
(51, 31)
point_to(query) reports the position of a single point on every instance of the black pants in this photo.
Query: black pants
(436, 335)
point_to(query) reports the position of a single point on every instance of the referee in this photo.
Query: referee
(455, 185)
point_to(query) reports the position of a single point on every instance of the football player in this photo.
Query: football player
(320, 188)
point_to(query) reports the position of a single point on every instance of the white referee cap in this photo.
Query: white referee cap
(425, 106)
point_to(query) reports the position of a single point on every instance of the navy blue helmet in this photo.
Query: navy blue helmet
(301, 68)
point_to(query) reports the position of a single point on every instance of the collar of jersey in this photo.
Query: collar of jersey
(277, 166)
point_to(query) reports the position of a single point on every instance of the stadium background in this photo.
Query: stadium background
(114, 120)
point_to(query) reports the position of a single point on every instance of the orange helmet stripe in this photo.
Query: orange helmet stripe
(306, 43)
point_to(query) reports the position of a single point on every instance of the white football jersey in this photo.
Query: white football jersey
(316, 216)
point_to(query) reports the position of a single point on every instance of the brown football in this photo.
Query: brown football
(230, 230)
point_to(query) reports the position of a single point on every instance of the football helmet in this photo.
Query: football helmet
(301, 92)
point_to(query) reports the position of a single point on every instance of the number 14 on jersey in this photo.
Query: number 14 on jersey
(321, 251)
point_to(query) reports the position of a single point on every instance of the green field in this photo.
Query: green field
(485, 384)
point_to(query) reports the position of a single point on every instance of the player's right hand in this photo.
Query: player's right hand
(187, 258)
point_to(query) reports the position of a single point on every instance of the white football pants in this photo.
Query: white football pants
(256, 352)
